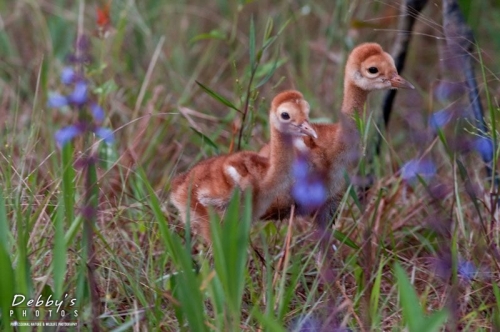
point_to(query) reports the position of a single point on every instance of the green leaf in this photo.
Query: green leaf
(412, 312)
(7, 285)
(352, 192)
(277, 63)
(268, 30)
(59, 251)
(251, 45)
(187, 286)
(230, 247)
(73, 230)
(127, 326)
(269, 42)
(433, 322)
(106, 88)
(4, 224)
(217, 97)
(283, 27)
(68, 178)
(214, 34)
(207, 139)
(188, 289)
(496, 291)
(496, 312)
(375, 295)
(343, 238)
(268, 322)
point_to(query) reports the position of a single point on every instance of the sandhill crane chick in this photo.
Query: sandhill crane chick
(212, 182)
(368, 68)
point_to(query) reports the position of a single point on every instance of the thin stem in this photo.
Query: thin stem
(88, 227)
(247, 102)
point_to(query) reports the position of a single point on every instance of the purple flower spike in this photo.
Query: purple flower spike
(83, 43)
(424, 168)
(66, 134)
(67, 75)
(484, 146)
(439, 119)
(57, 100)
(79, 94)
(105, 134)
(97, 112)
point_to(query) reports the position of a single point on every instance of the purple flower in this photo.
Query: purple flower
(105, 134)
(57, 100)
(300, 168)
(466, 270)
(306, 324)
(439, 119)
(82, 53)
(443, 263)
(90, 114)
(422, 167)
(97, 112)
(66, 134)
(67, 75)
(79, 94)
(83, 44)
(484, 145)
(308, 191)
(446, 91)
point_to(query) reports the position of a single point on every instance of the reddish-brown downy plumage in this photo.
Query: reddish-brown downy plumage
(368, 68)
(212, 182)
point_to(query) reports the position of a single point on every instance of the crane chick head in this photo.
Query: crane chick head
(290, 114)
(370, 68)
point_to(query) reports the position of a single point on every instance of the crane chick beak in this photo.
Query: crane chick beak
(306, 129)
(399, 82)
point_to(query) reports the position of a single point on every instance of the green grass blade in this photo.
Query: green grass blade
(268, 322)
(214, 34)
(343, 238)
(375, 295)
(434, 322)
(268, 30)
(207, 140)
(217, 97)
(4, 224)
(160, 217)
(268, 75)
(7, 285)
(59, 251)
(496, 312)
(230, 243)
(188, 286)
(412, 312)
(68, 178)
(188, 290)
(251, 45)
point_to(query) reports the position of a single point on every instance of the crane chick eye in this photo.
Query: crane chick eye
(373, 70)
(285, 116)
